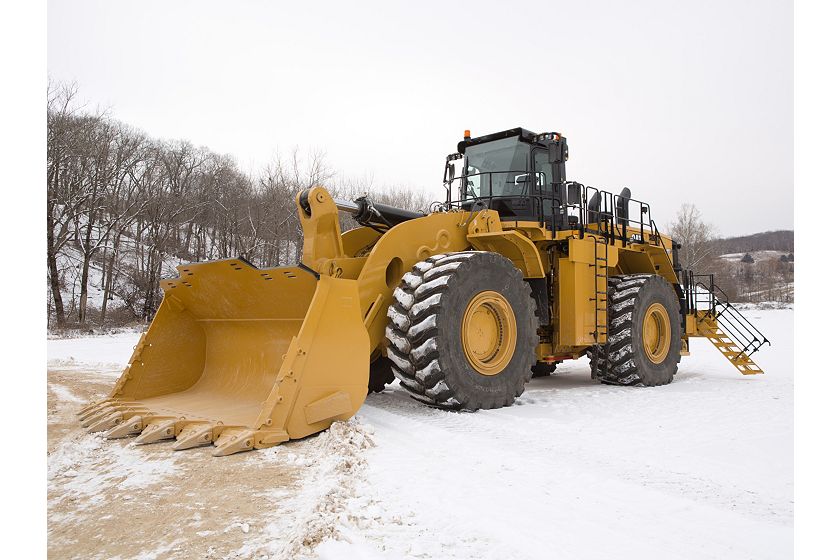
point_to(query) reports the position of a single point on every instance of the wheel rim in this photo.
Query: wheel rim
(488, 333)
(656, 333)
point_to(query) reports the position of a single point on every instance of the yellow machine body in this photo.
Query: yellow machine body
(246, 358)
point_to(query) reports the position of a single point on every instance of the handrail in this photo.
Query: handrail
(728, 317)
(552, 206)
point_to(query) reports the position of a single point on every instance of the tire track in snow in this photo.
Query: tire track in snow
(506, 425)
(478, 468)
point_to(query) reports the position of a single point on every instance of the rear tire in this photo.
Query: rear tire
(454, 346)
(644, 332)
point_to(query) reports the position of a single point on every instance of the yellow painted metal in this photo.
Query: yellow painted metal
(358, 242)
(691, 325)
(399, 249)
(574, 294)
(486, 234)
(660, 261)
(656, 332)
(575, 311)
(583, 251)
(488, 332)
(244, 357)
(708, 328)
(322, 238)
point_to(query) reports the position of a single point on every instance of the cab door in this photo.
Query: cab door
(543, 193)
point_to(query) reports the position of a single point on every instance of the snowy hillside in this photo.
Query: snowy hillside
(123, 295)
(699, 469)
(758, 256)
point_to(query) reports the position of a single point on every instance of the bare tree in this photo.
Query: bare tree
(67, 191)
(124, 204)
(694, 235)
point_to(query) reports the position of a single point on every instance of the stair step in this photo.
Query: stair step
(736, 355)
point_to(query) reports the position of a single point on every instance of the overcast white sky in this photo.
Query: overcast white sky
(681, 101)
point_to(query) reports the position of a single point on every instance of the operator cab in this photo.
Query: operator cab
(516, 172)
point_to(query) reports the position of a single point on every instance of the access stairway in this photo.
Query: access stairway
(719, 321)
(731, 350)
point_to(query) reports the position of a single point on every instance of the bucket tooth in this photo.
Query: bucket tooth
(157, 430)
(194, 435)
(86, 410)
(107, 412)
(99, 417)
(106, 422)
(93, 418)
(133, 425)
(101, 406)
(104, 408)
(234, 441)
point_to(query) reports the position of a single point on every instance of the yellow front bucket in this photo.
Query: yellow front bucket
(243, 358)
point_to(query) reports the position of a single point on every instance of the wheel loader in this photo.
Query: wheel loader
(517, 270)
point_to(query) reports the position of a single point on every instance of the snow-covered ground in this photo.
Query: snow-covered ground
(701, 468)
(107, 354)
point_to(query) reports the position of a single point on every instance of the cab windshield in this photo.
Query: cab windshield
(497, 168)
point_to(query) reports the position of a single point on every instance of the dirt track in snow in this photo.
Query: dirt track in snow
(113, 499)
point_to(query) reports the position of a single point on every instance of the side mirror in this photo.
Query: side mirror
(574, 193)
(450, 171)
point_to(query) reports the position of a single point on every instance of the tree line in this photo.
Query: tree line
(743, 278)
(123, 209)
(781, 240)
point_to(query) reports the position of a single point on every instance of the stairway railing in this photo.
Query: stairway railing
(708, 300)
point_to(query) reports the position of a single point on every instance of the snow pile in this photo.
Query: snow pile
(334, 499)
(339, 466)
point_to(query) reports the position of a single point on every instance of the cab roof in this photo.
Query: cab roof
(523, 134)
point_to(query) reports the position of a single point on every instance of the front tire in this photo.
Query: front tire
(463, 331)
